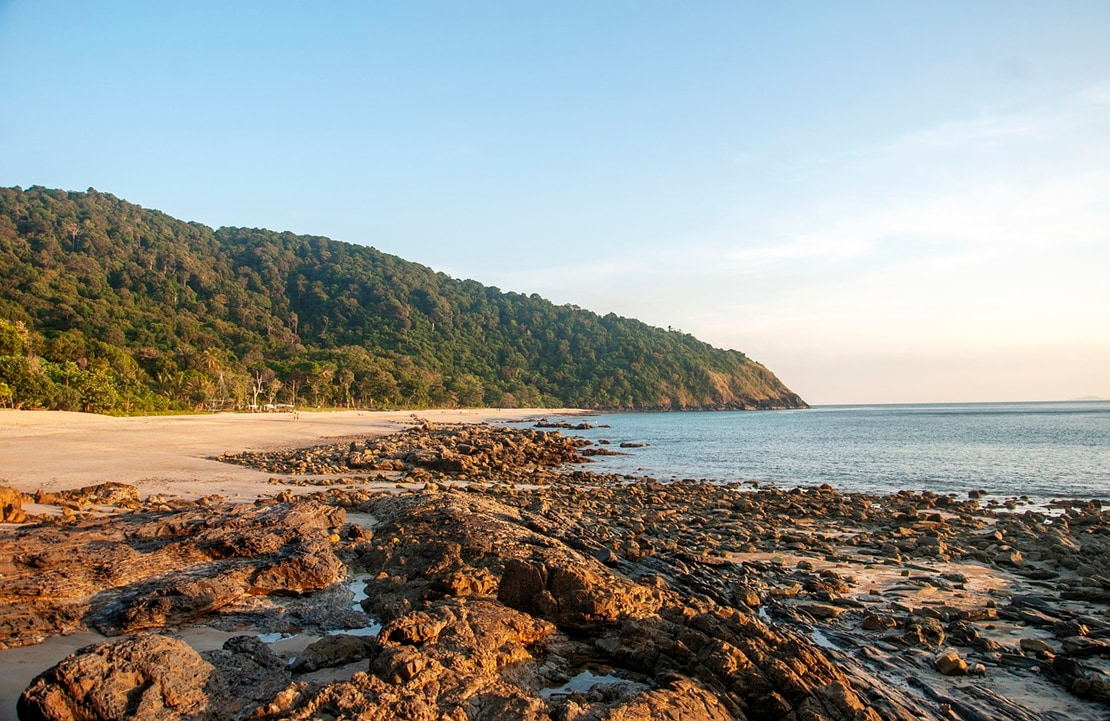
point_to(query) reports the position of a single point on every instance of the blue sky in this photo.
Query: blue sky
(883, 202)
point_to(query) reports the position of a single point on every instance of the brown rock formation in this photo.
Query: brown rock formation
(11, 505)
(151, 677)
(151, 570)
(582, 598)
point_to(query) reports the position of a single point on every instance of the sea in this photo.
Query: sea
(1040, 451)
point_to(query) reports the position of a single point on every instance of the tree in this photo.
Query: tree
(346, 378)
(258, 384)
(273, 387)
(98, 391)
(13, 337)
(73, 230)
(340, 323)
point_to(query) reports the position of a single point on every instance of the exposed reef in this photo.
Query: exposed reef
(495, 583)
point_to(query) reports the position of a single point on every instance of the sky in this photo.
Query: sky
(882, 202)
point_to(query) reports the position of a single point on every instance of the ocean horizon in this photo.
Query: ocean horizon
(1040, 450)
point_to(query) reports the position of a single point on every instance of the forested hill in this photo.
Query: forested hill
(106, 306)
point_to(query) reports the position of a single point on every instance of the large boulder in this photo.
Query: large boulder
(11, 505)
(150, 677)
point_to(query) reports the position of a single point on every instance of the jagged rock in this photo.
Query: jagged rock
(950, 663)
(878, 622)
(923, 631)
(747, 596)
(306, 564)
(11, 505)
(572, 596)
(150, 677)
(491, 592)
(678, 699)
(150, 570)
(105, 494)
(453, 449)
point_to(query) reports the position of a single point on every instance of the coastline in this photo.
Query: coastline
(676, 596)
(174, 455)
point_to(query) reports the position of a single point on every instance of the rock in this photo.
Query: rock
(1037, 646)
(978, 614)
(11, 505)
(572, 596)
(878, 622)
(747, 596)
(821, 610)
(337, 650)
(491, 591)
(306, 564)
(467, 581)
(1080, 680)
(923, 631)
(150, 677)
(950, 663)
(606, 556)
(150, 570)
(1082, 647)
(1066, 629)
(678, 699)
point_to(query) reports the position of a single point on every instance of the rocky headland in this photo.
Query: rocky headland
(482, 572)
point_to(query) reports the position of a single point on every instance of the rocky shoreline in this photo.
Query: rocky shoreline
(481, 572)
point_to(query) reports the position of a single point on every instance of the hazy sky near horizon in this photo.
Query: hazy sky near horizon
(882, 202)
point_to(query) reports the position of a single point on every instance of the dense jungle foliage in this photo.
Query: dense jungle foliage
(108, 307)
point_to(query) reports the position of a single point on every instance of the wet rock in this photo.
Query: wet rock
(1066, 629)
(606, 556)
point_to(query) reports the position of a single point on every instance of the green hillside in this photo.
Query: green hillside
(107, 306)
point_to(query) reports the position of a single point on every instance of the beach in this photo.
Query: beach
(439, 564)
(174, 455)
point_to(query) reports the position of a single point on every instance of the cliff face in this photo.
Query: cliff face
(129, 309)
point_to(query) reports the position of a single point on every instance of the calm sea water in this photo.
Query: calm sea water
(1041, 450)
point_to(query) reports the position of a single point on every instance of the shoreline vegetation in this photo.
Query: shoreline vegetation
(446, 565)
(106, 306)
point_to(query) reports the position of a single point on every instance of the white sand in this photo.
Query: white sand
(170, 455)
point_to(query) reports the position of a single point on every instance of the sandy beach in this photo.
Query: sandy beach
(172, 455)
